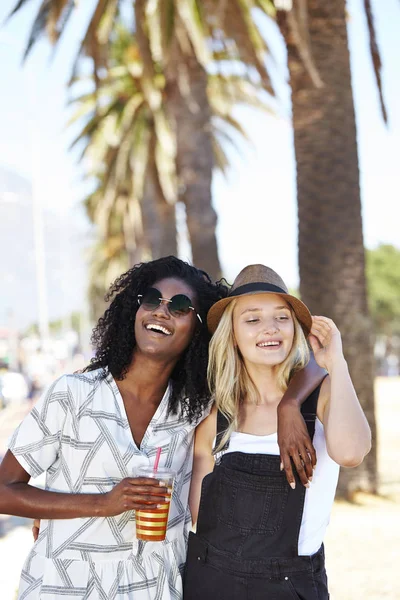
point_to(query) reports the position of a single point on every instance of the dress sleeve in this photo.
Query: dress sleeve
(36, 442)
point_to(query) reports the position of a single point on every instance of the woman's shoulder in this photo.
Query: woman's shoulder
(87, 378)
(77, 384)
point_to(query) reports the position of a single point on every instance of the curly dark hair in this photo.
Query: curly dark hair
(114, 337)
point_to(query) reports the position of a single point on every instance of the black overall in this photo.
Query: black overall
(246, 545)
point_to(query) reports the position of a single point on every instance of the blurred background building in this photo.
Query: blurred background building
(22, 348)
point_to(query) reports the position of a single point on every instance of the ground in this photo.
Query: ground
(363, 539)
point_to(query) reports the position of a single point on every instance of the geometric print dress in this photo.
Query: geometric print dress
(78, 433)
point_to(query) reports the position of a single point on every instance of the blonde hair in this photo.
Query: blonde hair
(228, 377)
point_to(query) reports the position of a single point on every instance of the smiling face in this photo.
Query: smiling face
(160, 334)
(264, 329)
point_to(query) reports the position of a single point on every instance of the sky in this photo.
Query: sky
(257, 201)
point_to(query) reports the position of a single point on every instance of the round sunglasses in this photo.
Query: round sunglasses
(178, 305)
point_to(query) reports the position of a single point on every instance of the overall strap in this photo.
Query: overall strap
(309, 410)
(222, 426)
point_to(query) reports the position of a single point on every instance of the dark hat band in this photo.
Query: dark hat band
(256, 287)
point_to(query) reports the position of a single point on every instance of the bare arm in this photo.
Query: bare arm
(347, 432)
(23, 500)
(203, 460)
(293, 439)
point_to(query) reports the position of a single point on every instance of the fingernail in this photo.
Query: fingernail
(169, 490)
(163, 483)
(167, 499)
(307, 485)
(281, 466)
(310, 479)
(292, 485)
(160, 505)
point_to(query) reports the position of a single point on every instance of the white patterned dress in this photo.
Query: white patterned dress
(78, 433)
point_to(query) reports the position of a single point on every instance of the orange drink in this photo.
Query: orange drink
(151, 523)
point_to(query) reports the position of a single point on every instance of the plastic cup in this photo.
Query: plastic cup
(151, 523)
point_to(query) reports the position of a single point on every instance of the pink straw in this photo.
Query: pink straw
(155, 469)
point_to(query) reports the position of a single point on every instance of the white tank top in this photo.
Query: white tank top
(320, 494)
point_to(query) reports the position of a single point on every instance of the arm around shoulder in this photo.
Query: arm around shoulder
(302, 384)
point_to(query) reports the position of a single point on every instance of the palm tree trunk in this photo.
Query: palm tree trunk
(189, 110)
(331, 250)
(159, 221)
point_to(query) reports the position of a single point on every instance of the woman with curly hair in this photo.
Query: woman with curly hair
(145, 389)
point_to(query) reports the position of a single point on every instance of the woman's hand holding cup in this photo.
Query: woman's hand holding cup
(134, 493)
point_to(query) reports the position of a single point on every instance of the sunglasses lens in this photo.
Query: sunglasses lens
(180, 305)
(151, 299)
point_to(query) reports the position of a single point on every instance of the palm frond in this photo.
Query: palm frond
(85, 105)
(87, 131)
(254, 34)
(229, 120)
(133, 231)
(122, 163)
(98, 134)
(58, 16)
(375, 55)
(166, 11)
(267, 7)
(164, 132)
(140, 140)
(20, 4)
(90, 44)
(111, 155)
(155, 34)
(226, 91)
(51, 19)
(107, 22)
(220, 156)
(133, 105)
(39, 26)
(226, 138)
(151, 169)
(84, 99)
(191, 16)
(297, 19)
(132, 152)
(142, 36)
(165, 156)
(118, 169)
(249, 45)
(105, 208)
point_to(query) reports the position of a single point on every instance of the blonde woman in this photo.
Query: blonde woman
(257, 536)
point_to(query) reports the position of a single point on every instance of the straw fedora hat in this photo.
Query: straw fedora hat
(258, 279)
